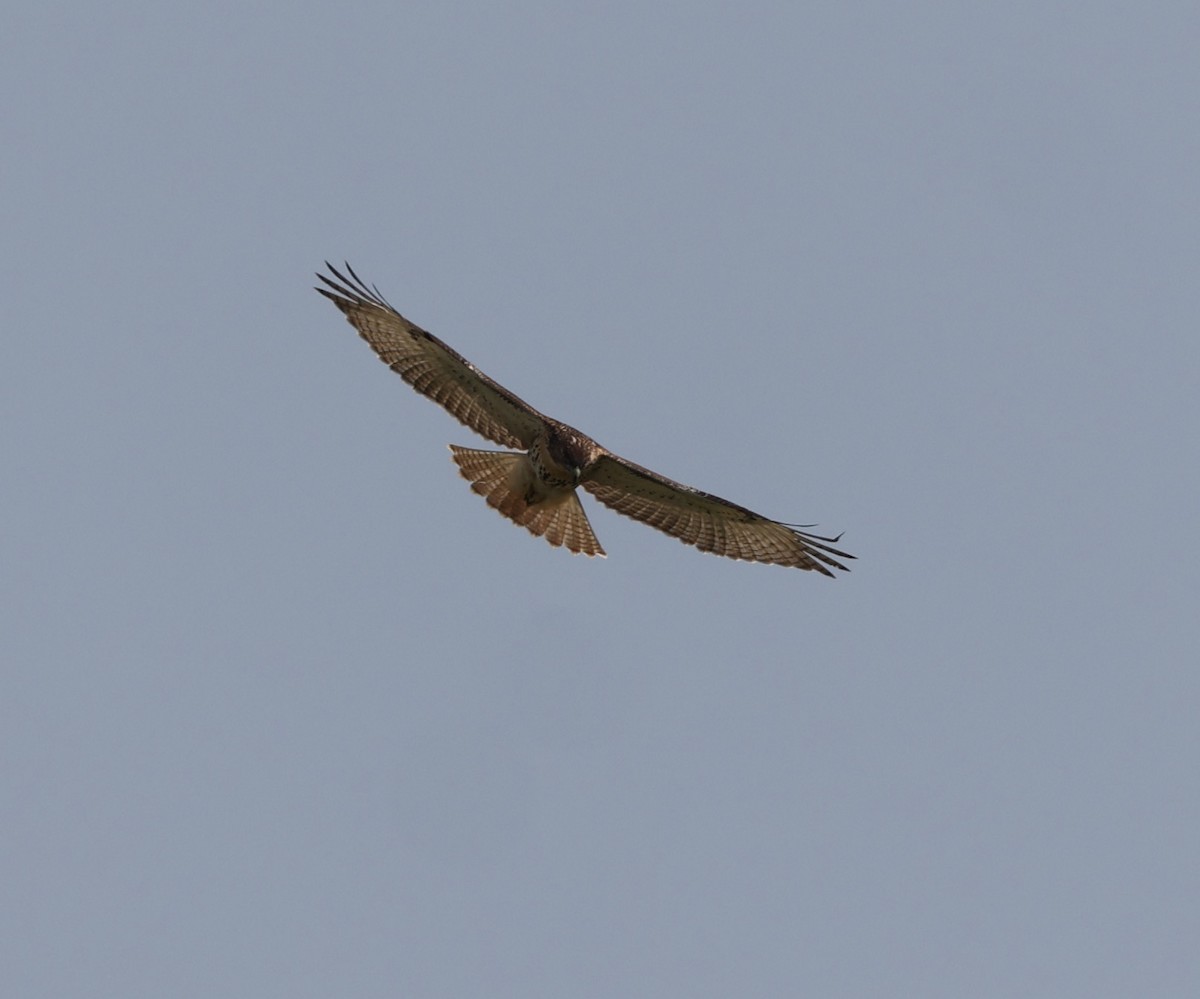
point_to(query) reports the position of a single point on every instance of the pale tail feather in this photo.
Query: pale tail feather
(564, 523)
(503, 479)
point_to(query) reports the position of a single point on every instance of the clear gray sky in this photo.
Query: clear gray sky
(287, 711)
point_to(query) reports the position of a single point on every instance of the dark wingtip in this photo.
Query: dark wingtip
(351, 290)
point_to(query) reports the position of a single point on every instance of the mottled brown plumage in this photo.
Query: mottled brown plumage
(535, 484)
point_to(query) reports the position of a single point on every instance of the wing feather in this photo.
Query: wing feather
(710, 523)
(431, 367)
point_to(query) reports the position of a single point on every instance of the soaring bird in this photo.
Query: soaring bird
(534, 484)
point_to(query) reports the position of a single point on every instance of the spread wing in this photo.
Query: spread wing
(431, 367)
(706, 521)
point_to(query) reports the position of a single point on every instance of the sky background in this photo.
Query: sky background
(287, 711)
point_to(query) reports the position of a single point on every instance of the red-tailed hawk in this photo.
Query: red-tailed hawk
(534, 485)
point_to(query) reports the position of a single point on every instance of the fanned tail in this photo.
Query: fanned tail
(563, 522)
(505, 480)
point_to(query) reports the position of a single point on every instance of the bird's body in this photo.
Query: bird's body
(535, 485)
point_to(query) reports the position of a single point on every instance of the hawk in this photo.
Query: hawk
(534, 485)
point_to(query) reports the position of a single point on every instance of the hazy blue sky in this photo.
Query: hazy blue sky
(287, 711)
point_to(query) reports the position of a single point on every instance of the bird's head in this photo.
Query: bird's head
(568, 449)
